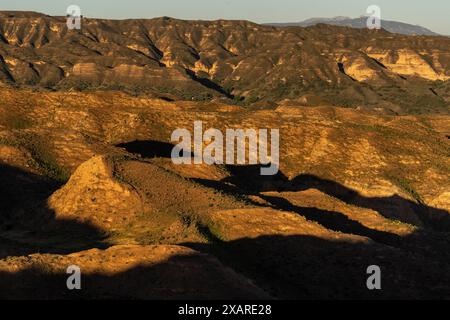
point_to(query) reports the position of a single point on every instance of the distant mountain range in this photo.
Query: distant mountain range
(391, 26)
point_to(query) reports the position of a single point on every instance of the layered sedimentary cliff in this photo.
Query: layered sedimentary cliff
(236, 60)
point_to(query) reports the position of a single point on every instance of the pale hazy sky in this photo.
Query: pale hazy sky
(433, 14)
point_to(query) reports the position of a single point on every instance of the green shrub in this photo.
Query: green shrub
(16, 122)
(404, 184)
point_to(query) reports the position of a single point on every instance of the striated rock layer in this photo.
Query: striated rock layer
(237, 60)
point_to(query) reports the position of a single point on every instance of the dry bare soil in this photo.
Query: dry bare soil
(87, 179)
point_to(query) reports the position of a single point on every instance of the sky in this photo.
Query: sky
(432, 14)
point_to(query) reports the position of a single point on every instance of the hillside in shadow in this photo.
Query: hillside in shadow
(305, 267)
(28, 225)
(247, 179)
(437, 219)
(194, 276)
(148, 148)
(415, 266)
(430, 239)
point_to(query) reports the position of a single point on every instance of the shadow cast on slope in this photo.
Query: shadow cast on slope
(390, 207)
(184, 277)
(334, 220)
(290, 267)
(248, 180)
(148, 148)
(28, 225)
(307, 267)
(208, 84)
(285, 267)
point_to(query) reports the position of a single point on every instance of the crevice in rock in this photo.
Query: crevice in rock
(342, 70)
